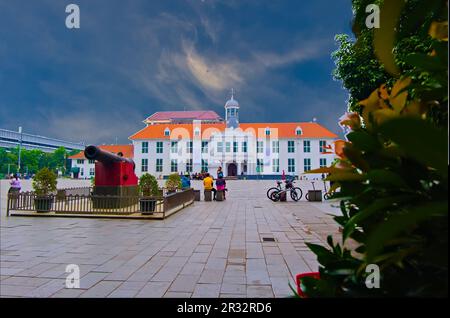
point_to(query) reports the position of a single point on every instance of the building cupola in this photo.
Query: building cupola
(232, 112)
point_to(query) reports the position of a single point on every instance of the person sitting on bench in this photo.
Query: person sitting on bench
(221, 185)
(208, 184)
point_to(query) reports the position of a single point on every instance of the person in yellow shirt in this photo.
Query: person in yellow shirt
(208, 184)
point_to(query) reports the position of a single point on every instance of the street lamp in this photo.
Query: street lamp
(20, 149)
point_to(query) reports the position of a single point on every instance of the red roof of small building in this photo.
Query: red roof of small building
(127, 150)
(279, 130)
(186, 115)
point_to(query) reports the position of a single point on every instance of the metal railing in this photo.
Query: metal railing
(100, 205)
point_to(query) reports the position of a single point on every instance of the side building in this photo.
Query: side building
(190, 144)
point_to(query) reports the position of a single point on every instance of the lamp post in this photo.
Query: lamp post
(20, 149)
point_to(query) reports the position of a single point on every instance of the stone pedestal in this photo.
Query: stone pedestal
(114, 197)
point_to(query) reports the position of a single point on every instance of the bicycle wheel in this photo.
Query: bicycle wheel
(307, 196)
(327, 196)
(275, 196)
(296, 194)
(270, 191)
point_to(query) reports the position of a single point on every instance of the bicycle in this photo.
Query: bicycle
(275, 193)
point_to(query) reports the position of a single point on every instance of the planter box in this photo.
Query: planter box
(197, 195)
(147, 206)
(315, 195)
(43, 204)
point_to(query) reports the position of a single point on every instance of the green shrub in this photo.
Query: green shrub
(173, 182)
(148, 185)
(44, 182)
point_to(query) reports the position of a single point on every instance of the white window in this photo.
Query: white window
(159, 147)
(259, 166)
(91, 161)
(291, 146)
(204, 147)
(323, 162)
(244, 146)
(259, 147)
(306, 146)
(189, 147)
(298, 131)
(167, 132)
(91, 171)
(275, 146)
(322, 146)
(307, 164)
(144, 165)
(219, 146)
(204, 165)
(267, 131)
(189, 165)
(197, 132)
(227, 147)
(173, 165)
(276, 165)
(159, 165)
(80, 161)
(174, 147)
(291, 165)
(144, 147)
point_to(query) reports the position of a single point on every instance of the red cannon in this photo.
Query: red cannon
(114, 176)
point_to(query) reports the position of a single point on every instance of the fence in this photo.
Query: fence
(24, 203)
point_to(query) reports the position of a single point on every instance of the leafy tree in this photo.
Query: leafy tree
(358, 67)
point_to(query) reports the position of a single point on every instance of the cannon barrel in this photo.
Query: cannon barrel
(95, 153)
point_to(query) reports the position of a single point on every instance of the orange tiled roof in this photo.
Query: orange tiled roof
(284, 130)
(127, 150)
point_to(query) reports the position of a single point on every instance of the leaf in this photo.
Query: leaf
(380, 204)
(439, 30)
(346, 176)
(387, 177)
(384, 37)
(400, 223)
(324, 256)
(363, 140)
(399, 94)
(419, 140)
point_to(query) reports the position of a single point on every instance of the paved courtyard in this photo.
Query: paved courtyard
(210, 249)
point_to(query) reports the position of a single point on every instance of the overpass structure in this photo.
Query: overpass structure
(12, 139)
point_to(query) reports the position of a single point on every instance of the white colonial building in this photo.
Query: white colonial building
(196, 141)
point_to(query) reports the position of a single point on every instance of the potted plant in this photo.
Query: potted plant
(148, 185)
(173, 183)
(44, 183)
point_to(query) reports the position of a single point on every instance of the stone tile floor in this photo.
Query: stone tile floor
(210, 249)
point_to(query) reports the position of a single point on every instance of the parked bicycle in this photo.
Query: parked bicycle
(277, 192)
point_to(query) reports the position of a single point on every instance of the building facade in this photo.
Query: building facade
(189, 144)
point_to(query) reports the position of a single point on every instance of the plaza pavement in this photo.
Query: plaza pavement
(209, 249)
